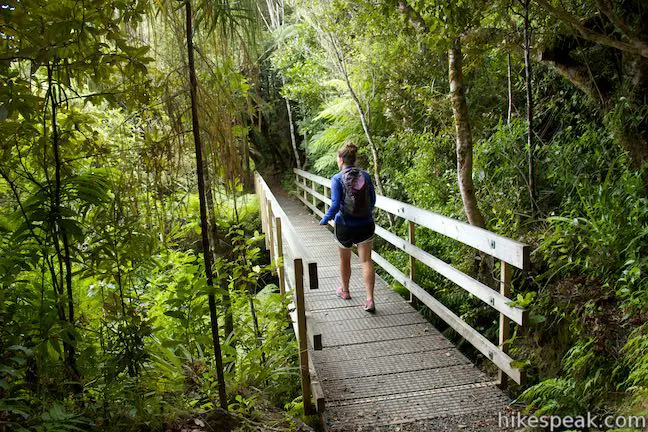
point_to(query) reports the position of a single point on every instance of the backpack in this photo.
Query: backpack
(357, 202)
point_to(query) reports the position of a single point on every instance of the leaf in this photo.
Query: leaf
(175, 314)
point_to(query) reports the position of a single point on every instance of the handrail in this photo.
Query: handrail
(273, 221)
(500, 247)
(509, 251)
(292, 235)
(474, 287)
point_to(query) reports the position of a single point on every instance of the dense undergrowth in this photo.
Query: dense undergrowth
(104, 304)
(144, 347)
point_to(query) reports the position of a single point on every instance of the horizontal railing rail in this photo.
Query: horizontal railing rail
(278, 227)
(508, 251)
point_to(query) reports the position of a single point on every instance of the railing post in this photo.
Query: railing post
(305, 186)
(269, 234)
(303, 338)
(262, 207)
(313, 279)
(504, 322)
(314, 187)
(412, 260)
(327, 194)
(280, 255)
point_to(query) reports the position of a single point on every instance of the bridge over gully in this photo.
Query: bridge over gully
(391, 370)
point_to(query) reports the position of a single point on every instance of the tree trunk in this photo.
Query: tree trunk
(462, 122)
(293, 139)
(246, 163)
(529, 113)
(367, 131)
(211, 209)
(510, 90)
(341, 63)
(203, 208)
(464, 136)
(60, 234)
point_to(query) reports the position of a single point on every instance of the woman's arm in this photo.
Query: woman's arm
(336, 196)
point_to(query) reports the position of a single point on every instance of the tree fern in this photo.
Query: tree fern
(343, 125)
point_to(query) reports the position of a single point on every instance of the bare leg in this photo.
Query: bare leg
(368, 274)
(345, 268)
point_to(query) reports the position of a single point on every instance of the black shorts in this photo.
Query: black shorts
(348, 236)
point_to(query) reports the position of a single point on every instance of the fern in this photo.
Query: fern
(341, 108)
(550, 396)
(579, 390)
(57, 419)
(636, 359)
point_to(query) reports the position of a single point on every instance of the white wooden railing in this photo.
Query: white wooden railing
(511, 253)
(281, 235)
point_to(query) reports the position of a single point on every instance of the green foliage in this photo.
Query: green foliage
(579, 389)
(103, 297)
(342, 125)
(428, 176)
(635, 359)
(500, 167)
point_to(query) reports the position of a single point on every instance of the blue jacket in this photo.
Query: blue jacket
(335, 211)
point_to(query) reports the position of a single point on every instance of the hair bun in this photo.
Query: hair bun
(348, 152)
(350, 148)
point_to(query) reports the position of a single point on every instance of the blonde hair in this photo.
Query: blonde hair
(348, 153)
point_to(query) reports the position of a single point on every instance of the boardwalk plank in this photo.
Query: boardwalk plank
(339, 392)
(377, 349)
(383, 366)
(344, 314)
(393, 410)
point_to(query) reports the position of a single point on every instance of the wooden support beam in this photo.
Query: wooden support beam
(412, 261)
(504, 322)
(483, 292)
(263, 204)
(317, 342)
(313, 280)
(301, 333)
(316, 388)
(305, 188)
(280, 256)
(269, 234)
(327, 194)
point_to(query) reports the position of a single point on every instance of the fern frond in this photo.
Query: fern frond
(341, 108)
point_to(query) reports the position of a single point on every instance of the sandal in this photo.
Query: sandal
(344, 295)
(369, 306)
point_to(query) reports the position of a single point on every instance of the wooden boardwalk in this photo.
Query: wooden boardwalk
(391, 370)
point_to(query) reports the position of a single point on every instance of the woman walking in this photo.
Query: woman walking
(352, 202)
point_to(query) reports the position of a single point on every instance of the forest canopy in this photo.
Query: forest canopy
(135, 292)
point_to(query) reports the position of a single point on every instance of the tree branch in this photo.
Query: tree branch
(415, 18)
(608, 10)
(634, 46)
